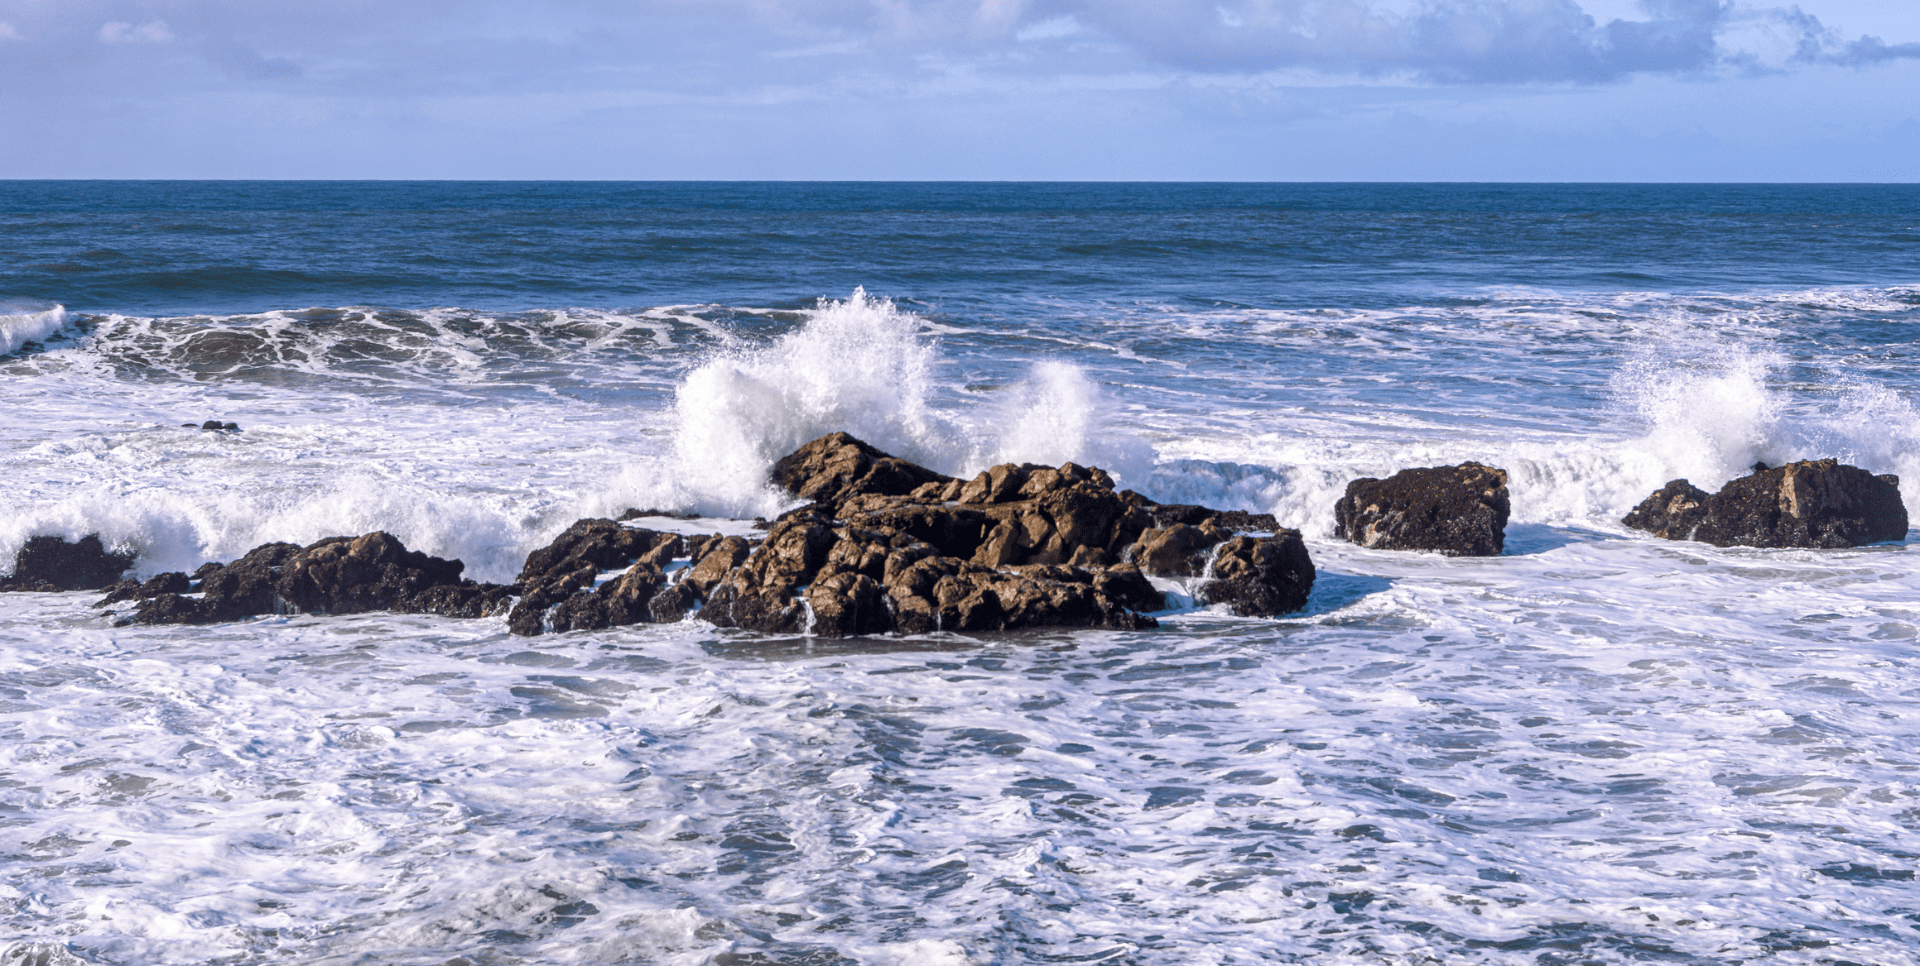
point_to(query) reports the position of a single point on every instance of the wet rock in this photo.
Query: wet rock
(837, 466)
(167, 583)
(1261, 576)
(353, 575)
(848, 604)
(598, 544)
(338, 575)
(1176, 551)
(1460, 511)
(1129, 588)
(620, 602)
(1169, 514)
(560, 588)
(1674, 511)
(467, 600)
(888, 547)
(1811, 503)
(48, 564)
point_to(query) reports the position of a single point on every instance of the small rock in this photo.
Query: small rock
(1261, 576)
(1460, 511)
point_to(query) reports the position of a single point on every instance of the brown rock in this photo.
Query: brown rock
(848, 604)
(1261, 576)
(1176, 551)
(837, 466)
(1811, 503)
(1460, 511)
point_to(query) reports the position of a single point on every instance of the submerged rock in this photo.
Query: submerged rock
(1812, 503)
(1460, 511)
(49, 564)
(338, 575)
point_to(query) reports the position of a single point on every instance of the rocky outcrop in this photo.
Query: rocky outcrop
(50, 564)
(1018, 546)
(884, 547)
(338, 575)
(1811, 503)
(561, 586)
(1459, 511)
(837, 466)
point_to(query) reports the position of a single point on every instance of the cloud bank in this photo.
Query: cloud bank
(413, 45)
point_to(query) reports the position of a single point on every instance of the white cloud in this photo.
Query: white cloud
(7, 32)
(121, 32)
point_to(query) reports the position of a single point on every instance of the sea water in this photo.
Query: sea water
(1600, 747)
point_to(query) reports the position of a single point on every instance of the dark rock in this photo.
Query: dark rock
(1129, 588)
(600, 544)
(354, 575)
(167, 583)
(1261, 576)
(1179, 550)
(1460, 511)
(848, 604)
(673, 603)
(466, 600)
(633, 514)
(1673, 511)
(837, 466)
(338, 575)
(215, 424)
(48, 564)
(1810, 503)
(887, 546)
(619, 602)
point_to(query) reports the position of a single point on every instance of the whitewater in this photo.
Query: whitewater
(1600, 747)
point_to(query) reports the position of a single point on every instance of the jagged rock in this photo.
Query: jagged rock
(1812, 503)
(837, 466)
(599, 544)
(167, 583)
(1673, 511)
(1129, 588)
(848, 604)
(352, 575)
(1176, 551)
(558, 583)
(885, 546)
(338, 575)
(1460, 511)
(1168, 514)
(619, 602)
(49, 564)
(1261, 576)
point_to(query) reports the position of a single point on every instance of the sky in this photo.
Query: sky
(1180, 90)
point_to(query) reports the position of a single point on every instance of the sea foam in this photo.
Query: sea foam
(24, 323)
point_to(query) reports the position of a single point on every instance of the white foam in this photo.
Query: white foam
(21, 324)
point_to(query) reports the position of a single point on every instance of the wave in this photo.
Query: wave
(24, 323)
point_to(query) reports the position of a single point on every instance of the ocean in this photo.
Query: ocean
(1599, 747)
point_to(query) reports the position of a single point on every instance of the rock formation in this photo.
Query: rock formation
(1460, 511)
(338, 575)
(50, 564)
(885, 546)
(1811, 503)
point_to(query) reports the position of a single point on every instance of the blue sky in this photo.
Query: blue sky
(1524, 90)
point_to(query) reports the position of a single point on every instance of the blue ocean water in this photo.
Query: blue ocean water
(1599, 747)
